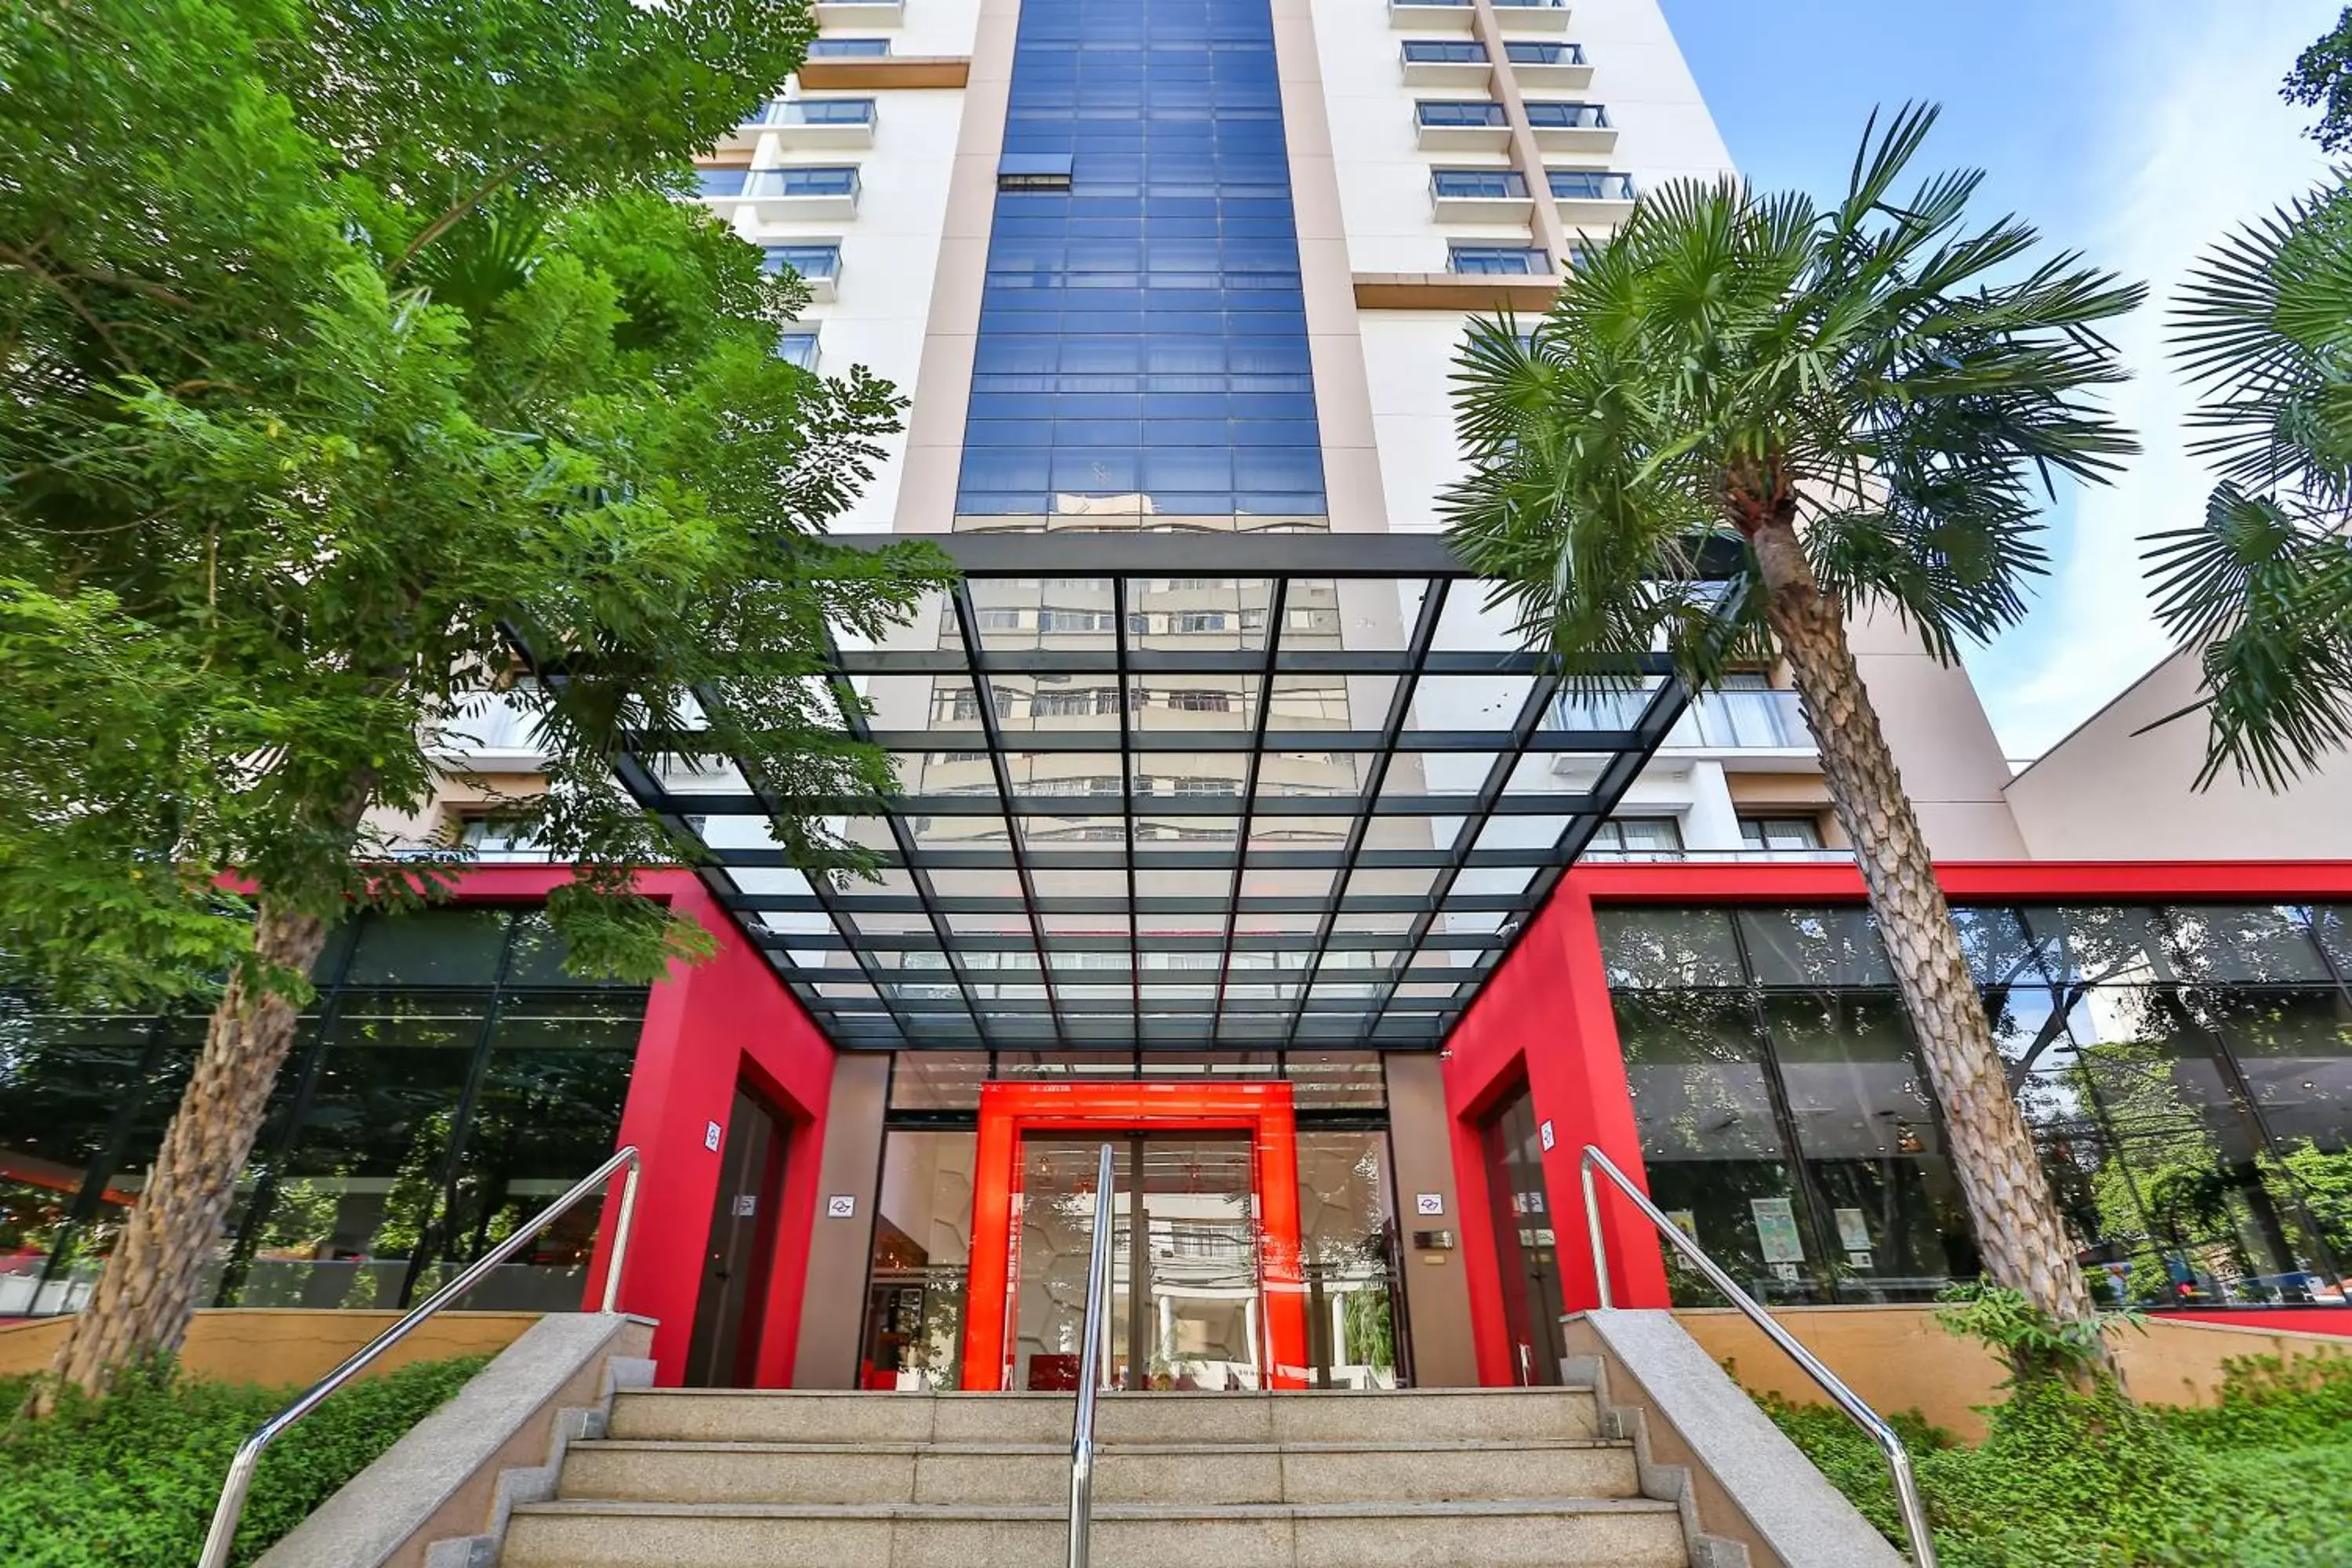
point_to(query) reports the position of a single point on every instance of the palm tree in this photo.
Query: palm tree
(1841, 409)
(2262, 589)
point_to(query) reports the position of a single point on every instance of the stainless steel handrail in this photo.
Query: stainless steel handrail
(231, 1507)
(1094, 1370)
(1898, 1459)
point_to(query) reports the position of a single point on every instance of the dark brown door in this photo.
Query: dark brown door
(1526, 1248)
(741, 1249)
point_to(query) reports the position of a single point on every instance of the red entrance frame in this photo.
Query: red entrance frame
(1008, 1112)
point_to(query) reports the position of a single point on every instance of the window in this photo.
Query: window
(1196, 702)
(1076, 621)
(1533, 54)
(1780, 832)
(815, 261)
(1197, 621)
(825, 111)
(803, 182)
(1589, 185)
(1500, 260)
(1483, 185)
(1444, 52)
(1050, 704)
(1638, 838)
(489, 839)
(1440, 114)
(1568, 116)
(796, 347)
(1033, 172)
(849, 48)
(711, 183)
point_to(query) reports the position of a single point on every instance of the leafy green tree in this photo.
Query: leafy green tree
(2322, 79)
(348, 354)
(1845, 410)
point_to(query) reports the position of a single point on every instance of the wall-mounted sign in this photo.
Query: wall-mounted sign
(1775, 1231)
(1546, 1133)
(746, 1205)
(1429, 1203)
(711, 1136)
(840, 1205)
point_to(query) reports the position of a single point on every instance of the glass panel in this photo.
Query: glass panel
(548, 1113)
(2295, 1051)
(2260, 944)
(1336, 1080)
(1646, 948)
(922, 1248)
(1712, 1145)
(341, 1223)
(1349, 1247)
(1895, 1227)
(1826, 946)
(431, 947)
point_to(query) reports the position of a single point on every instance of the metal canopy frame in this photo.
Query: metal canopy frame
(1226, 792)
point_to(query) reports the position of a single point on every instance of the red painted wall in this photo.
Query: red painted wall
(706, 1027)
(1544, 1021)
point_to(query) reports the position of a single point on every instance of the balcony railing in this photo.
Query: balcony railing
(1443, 115)
(835, 182)
(1544, 54)
(1499, 261)
(1589, 185)
(1534, 5)
(849, 48)
(1568, 116)
(781, 111)
(815, 262)
(1444, 52)
(1728, 720)
(1477, 184)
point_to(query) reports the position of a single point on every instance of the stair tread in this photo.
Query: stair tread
(1158, 1396)
(1054, 1512)
(1105, 1448)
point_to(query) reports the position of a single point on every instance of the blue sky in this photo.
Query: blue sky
(2138, 130)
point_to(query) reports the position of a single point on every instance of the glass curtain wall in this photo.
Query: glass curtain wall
(2185, 1071)
(1142, 354)
(448, 1081)
(913, 1337)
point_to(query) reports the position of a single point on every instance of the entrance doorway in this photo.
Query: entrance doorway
(1207, 1287)
(1526, 1247)
(741, 1252)
(1187, 1293)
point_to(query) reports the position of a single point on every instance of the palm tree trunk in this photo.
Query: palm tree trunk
(2010, 1201)
(148, 1293)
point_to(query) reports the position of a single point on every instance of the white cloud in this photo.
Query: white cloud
(2195, 142)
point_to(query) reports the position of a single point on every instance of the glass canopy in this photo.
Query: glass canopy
(1206, 791)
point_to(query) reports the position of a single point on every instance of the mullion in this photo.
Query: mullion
(1424, 632)
(993, 733)
(1119, 590)
(1249, 799)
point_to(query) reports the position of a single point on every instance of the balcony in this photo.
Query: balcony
(783, 195)
(1479, 195)
(1499, 261)
(818, 263)
(797, 345)
(1559, 67)
(489, 733)
(1460, 126)
(1736, 719)
(849, 48)
(860, 13)
(1572, 128)
(812, 124)
(1431, 15)
(1589, 198)
(1532, 15)
(1446, 62)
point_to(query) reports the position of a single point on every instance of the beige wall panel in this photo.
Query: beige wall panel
(1437, 1294)
(833, 1307)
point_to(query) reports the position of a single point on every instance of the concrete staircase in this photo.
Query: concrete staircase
(1440, 1478)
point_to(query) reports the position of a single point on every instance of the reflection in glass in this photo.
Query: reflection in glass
(922, 1248)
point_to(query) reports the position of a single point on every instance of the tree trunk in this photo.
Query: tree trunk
(146, 1296)
(2009, 1198)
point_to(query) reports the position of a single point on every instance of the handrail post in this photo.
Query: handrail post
(1914, 1507)
(222, 1535)
(1094, 1368)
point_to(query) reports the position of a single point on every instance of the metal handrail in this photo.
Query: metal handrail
(231, 1507)
(1094, 1370)
(1898, 1459)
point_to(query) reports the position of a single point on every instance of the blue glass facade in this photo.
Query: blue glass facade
(1143, 349)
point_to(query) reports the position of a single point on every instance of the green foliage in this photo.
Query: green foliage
(2322, 79)
(2037, 1345)
(2262, 589)
(2264, 1481)
(403, 362)
(131, 1482)
(1893, 382)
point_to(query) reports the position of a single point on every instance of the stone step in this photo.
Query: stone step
(1595, 1532)
(1196, 1474)
(783, 1415)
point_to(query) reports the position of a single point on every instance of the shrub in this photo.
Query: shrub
(130, 1481)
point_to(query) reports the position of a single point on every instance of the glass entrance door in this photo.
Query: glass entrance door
(1187, 1291)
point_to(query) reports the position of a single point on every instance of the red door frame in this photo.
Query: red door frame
(1008, 1112)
